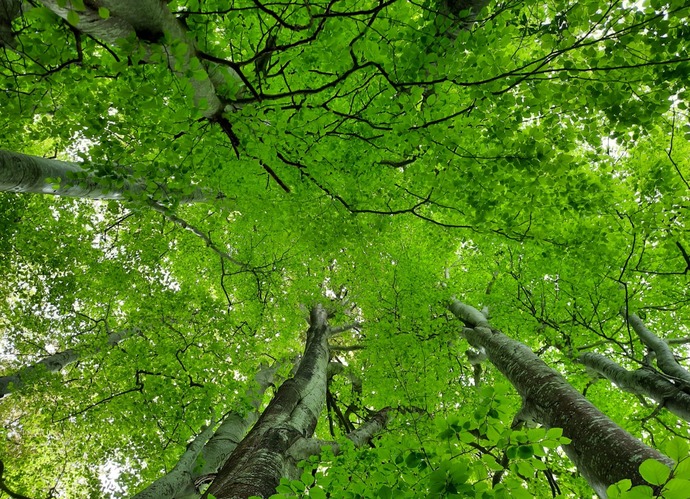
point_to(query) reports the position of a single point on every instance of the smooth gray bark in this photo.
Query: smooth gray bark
(52, 363)
(148, 20)
(307, 447)
(264, 455)
(24, 173)
(645, 381)
(209, 450)
(602, 451)
(177, 478)
(664, 355)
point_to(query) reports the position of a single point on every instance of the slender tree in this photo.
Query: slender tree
(662, 352)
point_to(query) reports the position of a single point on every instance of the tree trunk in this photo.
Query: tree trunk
(645, 381)
(282, 435)
(603, 452)
(664, 356)
(52, 363)
(204, 456)
(148, 20)
(23, 173)
(206, 453)
(261, 460)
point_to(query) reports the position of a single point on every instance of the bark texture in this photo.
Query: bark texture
(603, 452)
(30, 174)
(52, 363)
(645, 381)
(664, 355)
(262, 458)
(209, 450)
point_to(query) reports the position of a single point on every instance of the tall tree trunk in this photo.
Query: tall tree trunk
(209, 450)
(52, 363)
(23, 173)
(204, 456)
(282, 435)
(644, 381)
(261, 460)
(603, 452)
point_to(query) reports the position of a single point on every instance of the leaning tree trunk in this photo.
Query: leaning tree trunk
(603, 452)
(282, 435)
(52, 363)
(664, 355)
(33, 174)
(645, 381)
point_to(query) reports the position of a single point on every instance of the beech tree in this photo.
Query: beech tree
(221, 171)
(602, 452)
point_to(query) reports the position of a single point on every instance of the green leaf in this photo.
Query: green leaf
(617, 489)
(677, 449)
(72, 17)
(676, 488)
(639, 492)
(554, 433)
(317, 493)
(536, 434)
(307, 478)
(446, 434)
(682, 469)
(103, 12)
(385, 492)
(654, 471)
(413, 459)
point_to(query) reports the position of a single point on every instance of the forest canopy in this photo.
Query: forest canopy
(344, 248)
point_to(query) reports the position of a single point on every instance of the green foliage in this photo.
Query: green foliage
(534, 163)
(670, 483)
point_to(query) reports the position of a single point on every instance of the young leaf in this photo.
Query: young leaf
(654, 472)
